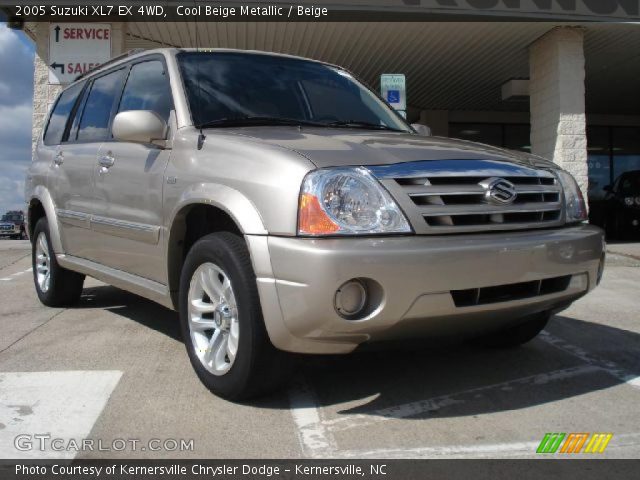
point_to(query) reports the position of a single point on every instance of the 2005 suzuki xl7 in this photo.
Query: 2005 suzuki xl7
(281, 206)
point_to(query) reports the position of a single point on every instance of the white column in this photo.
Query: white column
(558, 125)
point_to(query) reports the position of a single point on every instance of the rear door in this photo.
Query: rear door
(89, 129)
(70, 175)
(130, 178)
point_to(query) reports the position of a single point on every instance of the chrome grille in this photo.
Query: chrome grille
(447, 196)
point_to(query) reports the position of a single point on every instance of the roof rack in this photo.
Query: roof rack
(110, 61)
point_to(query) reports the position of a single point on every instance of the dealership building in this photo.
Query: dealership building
(560, 79)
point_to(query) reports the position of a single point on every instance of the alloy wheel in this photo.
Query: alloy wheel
(43, 263)
(213, 318)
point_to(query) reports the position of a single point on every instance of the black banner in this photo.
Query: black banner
(320, 10)
(307, 469)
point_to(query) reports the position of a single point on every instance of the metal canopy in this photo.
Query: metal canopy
(449, 66)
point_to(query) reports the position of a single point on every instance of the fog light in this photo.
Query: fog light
(351, 299)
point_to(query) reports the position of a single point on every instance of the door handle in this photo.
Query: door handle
(106, 161)
(59, 158)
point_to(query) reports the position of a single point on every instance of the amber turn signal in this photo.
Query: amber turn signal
(312, 219)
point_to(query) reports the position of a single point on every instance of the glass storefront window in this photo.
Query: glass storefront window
(512, 136)
(598, 162)
(625, 150)
(489, 133)
(516, 137)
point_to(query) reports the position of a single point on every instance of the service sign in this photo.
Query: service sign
(393, 90)
(76, 48)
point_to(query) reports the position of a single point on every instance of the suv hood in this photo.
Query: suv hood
(329, 147)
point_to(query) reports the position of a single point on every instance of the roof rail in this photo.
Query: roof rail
(110, 61)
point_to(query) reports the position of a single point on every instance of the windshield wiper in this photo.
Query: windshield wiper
(257, 120)
(361, 124)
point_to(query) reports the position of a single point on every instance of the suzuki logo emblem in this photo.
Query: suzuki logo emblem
(498, 191)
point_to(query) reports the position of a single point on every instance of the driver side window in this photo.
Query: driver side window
(147, 88)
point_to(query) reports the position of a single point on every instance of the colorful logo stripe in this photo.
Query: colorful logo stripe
(598, 442)
(550, 442)
(574, 442)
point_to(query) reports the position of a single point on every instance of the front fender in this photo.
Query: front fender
(41, 194)
(234, 203)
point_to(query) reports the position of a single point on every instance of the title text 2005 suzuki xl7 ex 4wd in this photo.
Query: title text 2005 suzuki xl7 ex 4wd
(281, 206)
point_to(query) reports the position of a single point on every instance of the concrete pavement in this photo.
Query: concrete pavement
(115, 371)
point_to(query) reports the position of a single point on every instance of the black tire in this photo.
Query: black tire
(259, 368)
(65, 286)
(517, 335)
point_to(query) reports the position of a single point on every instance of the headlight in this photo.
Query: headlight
(628, 201)
(347, 201)
(576, 210)
(638, 201)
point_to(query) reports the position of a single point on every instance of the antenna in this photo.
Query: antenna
(201, 137)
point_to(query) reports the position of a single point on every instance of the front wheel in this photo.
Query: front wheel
(517, 335)
(221, 321)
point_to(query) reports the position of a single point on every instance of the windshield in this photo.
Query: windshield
(11, 218)
(224, 88)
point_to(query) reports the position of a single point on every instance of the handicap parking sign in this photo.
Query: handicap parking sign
(393, 96)
(393, 90)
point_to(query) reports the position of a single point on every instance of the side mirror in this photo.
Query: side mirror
(139, 126)
(421, 129)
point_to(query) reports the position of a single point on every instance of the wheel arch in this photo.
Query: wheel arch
(205, 209)
(41, 205)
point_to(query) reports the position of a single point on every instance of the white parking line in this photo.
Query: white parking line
(516, 449)
(608, 366)
(315, 440)
(316, 435)
(433, 404)
(16, 274)
(63, 404)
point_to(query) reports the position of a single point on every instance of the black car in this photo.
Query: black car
(622, 205)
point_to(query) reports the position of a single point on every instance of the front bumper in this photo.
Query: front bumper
(416, 274)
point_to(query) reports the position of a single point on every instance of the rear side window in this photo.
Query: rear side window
(60, 115)
(94, 125)
(147, 89)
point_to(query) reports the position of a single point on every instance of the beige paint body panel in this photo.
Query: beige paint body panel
(256, 183)
(73, 192)
(128, 217)
(416, 275)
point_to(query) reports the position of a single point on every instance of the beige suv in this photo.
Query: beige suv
(280, 206)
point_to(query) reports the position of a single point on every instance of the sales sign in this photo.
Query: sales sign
(76, 48)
